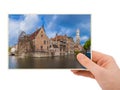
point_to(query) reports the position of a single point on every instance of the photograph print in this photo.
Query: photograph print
(48, 41)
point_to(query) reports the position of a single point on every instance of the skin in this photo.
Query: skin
(102, 68)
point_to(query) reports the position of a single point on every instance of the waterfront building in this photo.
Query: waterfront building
(38, 44)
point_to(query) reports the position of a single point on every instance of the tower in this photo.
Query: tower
(78, 36)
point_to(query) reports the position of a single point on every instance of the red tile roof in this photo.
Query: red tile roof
(60, 37)
(33, 35)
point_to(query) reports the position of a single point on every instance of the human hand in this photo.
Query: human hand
(102, 68)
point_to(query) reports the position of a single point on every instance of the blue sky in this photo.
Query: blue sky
(53, 23)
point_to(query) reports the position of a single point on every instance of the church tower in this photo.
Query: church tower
(78, 37)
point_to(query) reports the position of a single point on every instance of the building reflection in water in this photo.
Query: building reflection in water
(46, 62)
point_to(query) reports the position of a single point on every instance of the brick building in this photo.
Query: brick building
(64, 43)
(39, 44)
(40, 40)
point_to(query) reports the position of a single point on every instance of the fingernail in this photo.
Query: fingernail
(80, 56)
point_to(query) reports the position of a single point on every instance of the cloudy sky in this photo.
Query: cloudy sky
(58, 23)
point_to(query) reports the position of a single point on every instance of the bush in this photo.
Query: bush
(77, 52)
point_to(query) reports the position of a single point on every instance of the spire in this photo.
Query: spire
(42, 25)
(42, 20)
(78, 36)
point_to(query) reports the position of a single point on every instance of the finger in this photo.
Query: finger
(97, 56)
(83, 73)
(89, 64)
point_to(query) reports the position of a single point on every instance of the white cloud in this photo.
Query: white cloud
(13, 27)
(51, 23)
(26, 24)
(84, 38)
(64, 31)
(51, 34)
(29, 22)
(85, 25)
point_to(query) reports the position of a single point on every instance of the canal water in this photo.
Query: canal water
(57, 62)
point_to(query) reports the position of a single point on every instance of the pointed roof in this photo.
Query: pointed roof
(33, 35)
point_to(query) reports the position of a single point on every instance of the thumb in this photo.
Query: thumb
(89, 64)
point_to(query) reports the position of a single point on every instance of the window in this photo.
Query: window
(41, 47)
(33, 46)
(41, 35)
(44, 42)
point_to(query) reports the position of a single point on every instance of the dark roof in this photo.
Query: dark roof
(70, 37)
(59, 37)
(33, 35)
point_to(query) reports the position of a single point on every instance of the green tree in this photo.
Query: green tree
(9, 49)
(87, 45)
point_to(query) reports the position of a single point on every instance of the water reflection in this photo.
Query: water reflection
(13, 62)
(46, 62)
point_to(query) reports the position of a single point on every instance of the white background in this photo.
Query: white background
(105, 38)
